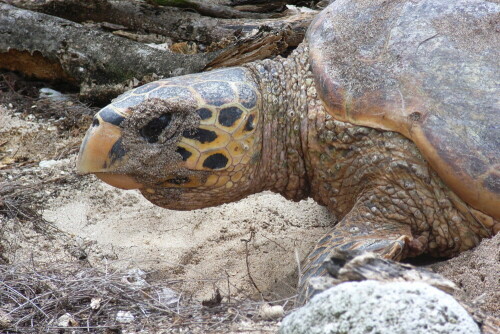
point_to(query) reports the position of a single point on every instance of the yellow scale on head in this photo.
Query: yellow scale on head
(232, 126)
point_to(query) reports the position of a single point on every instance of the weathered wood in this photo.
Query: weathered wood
(175, 23)
(209, 9)
(103, 64)
(260, 46)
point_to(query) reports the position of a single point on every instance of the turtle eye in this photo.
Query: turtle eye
(154, 128)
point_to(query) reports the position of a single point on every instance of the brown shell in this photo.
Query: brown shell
(428, 69)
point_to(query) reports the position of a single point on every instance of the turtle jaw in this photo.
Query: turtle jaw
(101, 153)
(121, 181)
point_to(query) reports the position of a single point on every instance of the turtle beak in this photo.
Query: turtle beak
(102, 152)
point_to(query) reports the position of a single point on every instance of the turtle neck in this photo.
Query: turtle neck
(285, 84)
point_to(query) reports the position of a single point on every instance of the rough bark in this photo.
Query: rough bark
(178, 24)
(209, 9)
(103, 64)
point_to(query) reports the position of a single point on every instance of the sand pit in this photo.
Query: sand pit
(248, 250)
(207, 247)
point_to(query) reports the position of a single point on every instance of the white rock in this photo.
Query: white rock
(124, 317)
(136, 278)
(268, 312)
(66, 320)
(5, 319)
(47, 163)
(49, 93)
(377, 307)
(95, 303)
(168, 297)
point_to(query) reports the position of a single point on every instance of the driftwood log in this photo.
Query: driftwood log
(51, 48)
(52, 39)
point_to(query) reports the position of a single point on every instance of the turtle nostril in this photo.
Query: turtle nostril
(95, 122)
(154, 128)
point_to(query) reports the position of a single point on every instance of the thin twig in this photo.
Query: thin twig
(246, 241)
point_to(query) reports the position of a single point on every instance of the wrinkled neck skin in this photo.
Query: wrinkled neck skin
(307, 153)
(284, 85)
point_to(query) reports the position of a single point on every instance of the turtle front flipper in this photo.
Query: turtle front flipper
(389, 239)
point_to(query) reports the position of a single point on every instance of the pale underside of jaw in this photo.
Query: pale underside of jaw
(121, 181)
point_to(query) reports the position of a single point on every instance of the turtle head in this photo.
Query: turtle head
(185, 143)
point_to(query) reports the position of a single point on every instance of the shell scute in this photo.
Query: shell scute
(130, 101)
(426, 69)
(204, 113)
(215, 93)
(146, 88)
(170, 92)
(229, 116)
(247, 96)
(233, 74)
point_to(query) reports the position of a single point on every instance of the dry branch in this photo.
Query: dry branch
(175, 23)
(104, 65)
(53, 48)
(33, 300)
(208, 9)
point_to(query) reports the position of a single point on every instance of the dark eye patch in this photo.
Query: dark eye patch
(229, 116)
(201, 135)
(154, 128)
(183, 152)
(249, 123)
(204, 113)
(215, 161)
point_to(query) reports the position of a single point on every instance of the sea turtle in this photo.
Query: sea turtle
(388, 114)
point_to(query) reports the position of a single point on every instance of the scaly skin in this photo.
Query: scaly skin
(386, 197)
